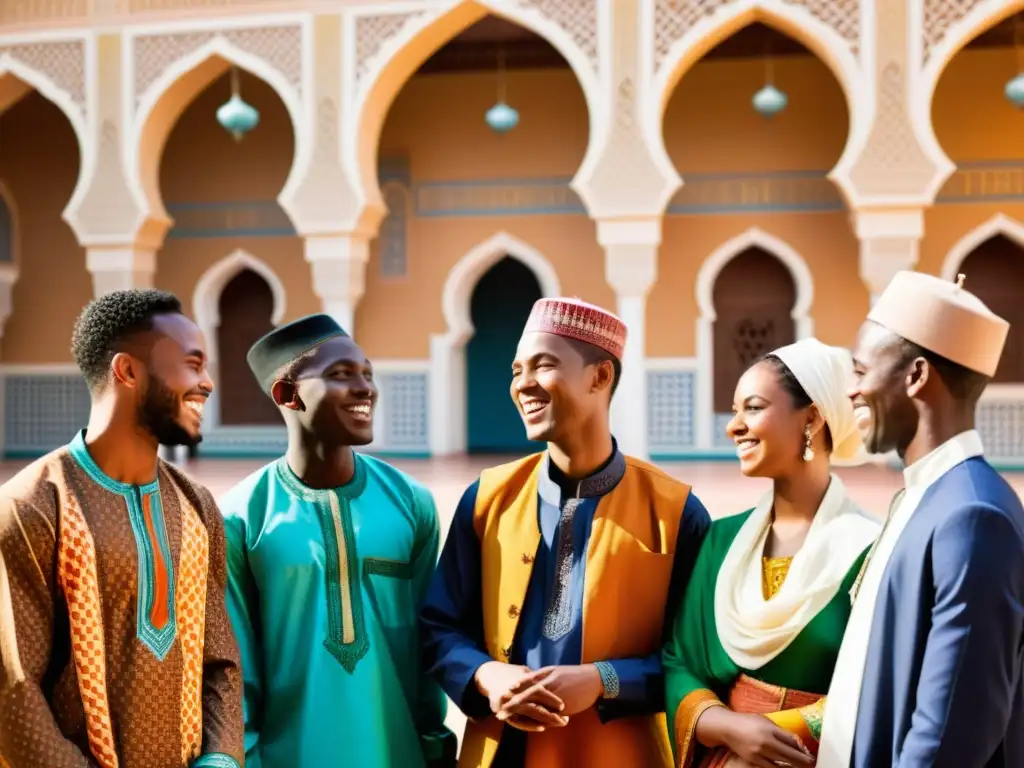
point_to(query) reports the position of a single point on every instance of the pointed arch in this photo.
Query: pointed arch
(377, 81)
(206, 297)
(12, 67)
(754, 237)
(790, 19)
(167, 97)
(447, 427)
(463, 277)
(1000, 224)
(984, 15)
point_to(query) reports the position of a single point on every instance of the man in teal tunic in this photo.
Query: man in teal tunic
(329, 555)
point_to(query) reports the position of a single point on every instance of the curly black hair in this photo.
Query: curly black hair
(110, 320)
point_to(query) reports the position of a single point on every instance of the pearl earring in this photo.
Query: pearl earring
(808, 451)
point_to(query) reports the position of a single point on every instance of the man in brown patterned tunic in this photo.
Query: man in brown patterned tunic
(115, 645)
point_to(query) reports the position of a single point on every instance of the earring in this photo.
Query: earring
(808, 451)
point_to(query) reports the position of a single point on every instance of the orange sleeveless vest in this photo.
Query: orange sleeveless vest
(628, 570)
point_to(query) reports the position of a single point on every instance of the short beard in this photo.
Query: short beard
(157, 414)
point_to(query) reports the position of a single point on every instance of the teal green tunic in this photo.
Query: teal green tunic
(324, 588)
(694, 658)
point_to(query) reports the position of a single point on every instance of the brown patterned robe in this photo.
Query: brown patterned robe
(115, 643)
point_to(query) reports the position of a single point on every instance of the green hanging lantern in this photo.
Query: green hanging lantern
(235, 116)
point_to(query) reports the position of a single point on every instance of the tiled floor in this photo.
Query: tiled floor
(718, 484)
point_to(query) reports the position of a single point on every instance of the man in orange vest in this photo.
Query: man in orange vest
(544, 619)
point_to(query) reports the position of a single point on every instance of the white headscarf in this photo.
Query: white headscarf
(752, 630)
(825, 373)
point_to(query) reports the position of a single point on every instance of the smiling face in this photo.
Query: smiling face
(333, 395)
(886, 415)
(175, 384)
(769, 431)
(554, 389)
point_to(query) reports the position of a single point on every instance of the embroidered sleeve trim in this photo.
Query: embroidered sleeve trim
(695, 704)
(375, 566)
(215, 760)
(812, 716)
(609, 678)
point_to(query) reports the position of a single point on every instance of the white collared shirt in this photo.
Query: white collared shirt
(843, 703)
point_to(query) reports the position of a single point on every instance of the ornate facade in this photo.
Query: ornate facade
(393, 241)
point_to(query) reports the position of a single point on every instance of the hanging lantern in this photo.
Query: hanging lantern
(1014, 91)
(769, 101)
(502, 118)
(235, 116)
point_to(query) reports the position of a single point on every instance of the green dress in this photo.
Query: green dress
(324, 588)
(695, 660)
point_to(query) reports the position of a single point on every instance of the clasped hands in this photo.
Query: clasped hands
(535, 700)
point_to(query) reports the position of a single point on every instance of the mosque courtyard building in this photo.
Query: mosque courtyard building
(726, 175)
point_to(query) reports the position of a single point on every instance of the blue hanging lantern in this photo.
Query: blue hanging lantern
(502, 118)
(769, 101)
(235, 116)
(1014, 91)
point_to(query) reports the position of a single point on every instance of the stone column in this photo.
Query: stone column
(896, 172)
(631, 265)
(889, 242)
(117, 268)
(338, 262)
(120, 239)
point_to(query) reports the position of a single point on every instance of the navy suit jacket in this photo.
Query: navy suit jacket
(944, 678)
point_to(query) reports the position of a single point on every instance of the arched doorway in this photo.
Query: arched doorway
(753, 297)
(995, 274)
(246, 308)
(499, 308)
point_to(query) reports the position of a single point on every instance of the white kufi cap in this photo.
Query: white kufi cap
(943, 318)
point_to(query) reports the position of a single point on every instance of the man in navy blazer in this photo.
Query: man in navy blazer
(931, 670)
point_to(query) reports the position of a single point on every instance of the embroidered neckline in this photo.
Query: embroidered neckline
(347, 640)
(593, 486)
(295, 486)
(80, 453)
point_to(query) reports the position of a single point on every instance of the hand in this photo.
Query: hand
(577, 688)
(494, 680)
(753, 738)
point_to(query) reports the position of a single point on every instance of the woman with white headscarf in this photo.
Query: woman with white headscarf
(755, 642)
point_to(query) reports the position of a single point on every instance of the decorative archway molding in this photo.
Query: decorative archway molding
(11, 66)
(935, 55)
(1000, 224)
(447, 424)
(206, 310)
(375, 72)
(705, 287)
(162, 103)
(791, 19)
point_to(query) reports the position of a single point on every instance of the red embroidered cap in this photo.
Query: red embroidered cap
(579, 320)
